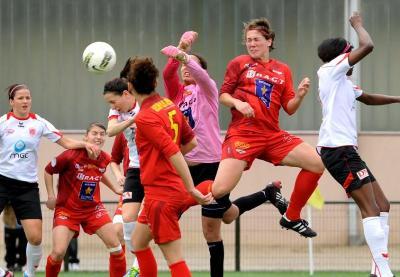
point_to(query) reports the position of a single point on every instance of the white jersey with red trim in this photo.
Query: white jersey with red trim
(19, 142)
(129, 133)
(338, 98)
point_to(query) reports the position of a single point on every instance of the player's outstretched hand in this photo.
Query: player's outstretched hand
(303, 87)
(93, 150)
(51, 202)
(200, 198)
(187, 39)
(355, 20)
(244, 108)
(174, 52)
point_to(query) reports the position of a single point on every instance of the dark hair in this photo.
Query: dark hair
(143, 75)
(11, 90)
(116, 86)
(333, 47)
(263, 26)
(95, 124)
(124, 72)
(203, 62)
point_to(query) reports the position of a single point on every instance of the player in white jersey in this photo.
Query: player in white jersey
(337, 142)
(20, 134)
(121, 119)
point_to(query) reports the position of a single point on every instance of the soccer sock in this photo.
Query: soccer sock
(135, 263)
(179, 269)
(128, 229)
(249, 202)
(52, 267)
(384, 219)
(33, 256)
(204, 187)
(117, 264)
(216, 249)
(375, 237)
(306, 183)
(147, 262)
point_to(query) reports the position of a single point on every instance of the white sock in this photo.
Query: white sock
(128, 229)
(135, 263)
(33, 256)
(384, 219)
(375, 237)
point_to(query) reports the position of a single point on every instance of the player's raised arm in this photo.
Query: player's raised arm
(366, 44)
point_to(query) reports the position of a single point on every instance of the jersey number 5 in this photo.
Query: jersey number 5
(174, 125)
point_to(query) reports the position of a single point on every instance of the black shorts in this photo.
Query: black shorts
(208, 171)
(133, 189)
(23, 197)
(346, 167)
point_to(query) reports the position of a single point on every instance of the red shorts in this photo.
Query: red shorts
(90, 219)
(162, 217)
(272, 147)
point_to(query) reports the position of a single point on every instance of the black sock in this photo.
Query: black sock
(216, 249)
(249, 202)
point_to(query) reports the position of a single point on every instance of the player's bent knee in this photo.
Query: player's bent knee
(115, 250)
(231, 214)
(57, 255)
(35, 239)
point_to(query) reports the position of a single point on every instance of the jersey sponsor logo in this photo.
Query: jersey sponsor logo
(19, 146)
(32, 132)
(264, 91)
(240, 147)
(162, 104)
(273, 79)
(83, 177)
(87, 191)
(362, 174)
(21, 124)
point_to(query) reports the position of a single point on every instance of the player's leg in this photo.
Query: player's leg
(62, 236)
(141, 238)
(26, 204)
(384, 207)
(306, 158)
(102, 226)
(172, 252)
(373, 231)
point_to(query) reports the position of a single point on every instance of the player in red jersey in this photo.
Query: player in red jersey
(78, 202)
(255, 88)
(162, 136)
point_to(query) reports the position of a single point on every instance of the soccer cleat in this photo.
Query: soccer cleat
(300, 226)
(274, 195)
(133, 272)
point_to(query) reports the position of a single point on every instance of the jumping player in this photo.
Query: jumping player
(337, 141)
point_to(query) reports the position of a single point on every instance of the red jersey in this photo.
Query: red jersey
(266, 86)
(79, 178)
(120, 151)
(161, 129)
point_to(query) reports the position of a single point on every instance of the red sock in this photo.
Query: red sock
(306, 183)
(204, 187)
(147, 263)
(180, 269)
(52, 267)
(117, 264)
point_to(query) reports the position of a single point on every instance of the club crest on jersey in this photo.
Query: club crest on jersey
(9, 131)
(87, 191)
(363, 173)
(32, 132)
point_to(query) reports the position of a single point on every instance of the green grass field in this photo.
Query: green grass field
(229, 274)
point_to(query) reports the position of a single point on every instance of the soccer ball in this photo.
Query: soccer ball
(5, 273)
(99, 57)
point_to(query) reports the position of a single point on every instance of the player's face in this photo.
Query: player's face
(121, 103)
(22, 102)
(186, 77)
(257, 45)
(96, 136)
